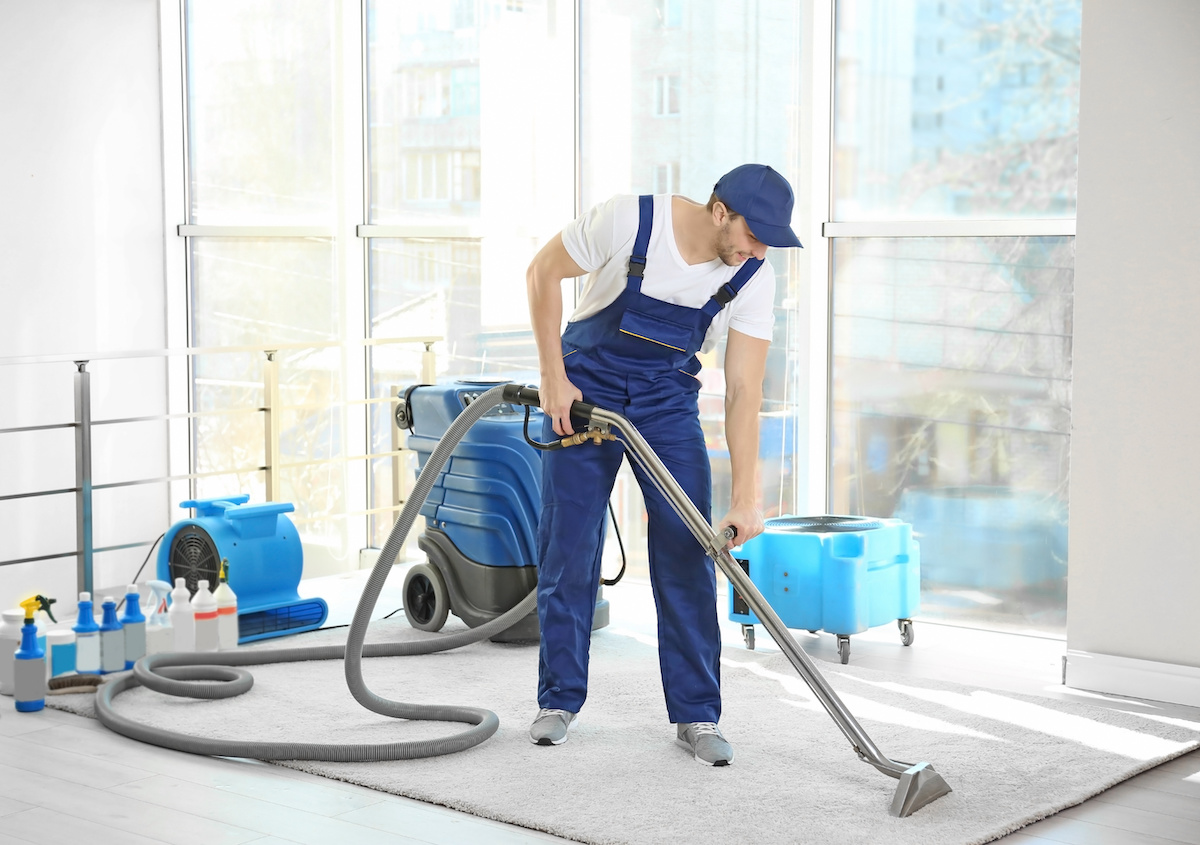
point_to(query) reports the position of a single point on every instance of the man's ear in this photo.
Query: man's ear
(720, 213)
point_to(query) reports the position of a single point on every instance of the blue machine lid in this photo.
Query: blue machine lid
(825, 524)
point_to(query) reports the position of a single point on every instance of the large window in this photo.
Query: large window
(469, 162)
(263, 192)
(955, 140)
(367, 170)
(360, 172)
(722, 112)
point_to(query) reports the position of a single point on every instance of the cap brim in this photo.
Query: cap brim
(780, 236)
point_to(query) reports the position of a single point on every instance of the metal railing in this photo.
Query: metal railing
(83, 425)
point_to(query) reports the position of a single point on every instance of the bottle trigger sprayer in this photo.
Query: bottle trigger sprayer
(29, 668)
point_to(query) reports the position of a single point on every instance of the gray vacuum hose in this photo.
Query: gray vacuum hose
(190, 673)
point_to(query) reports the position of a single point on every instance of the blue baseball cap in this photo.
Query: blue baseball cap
(764, 198)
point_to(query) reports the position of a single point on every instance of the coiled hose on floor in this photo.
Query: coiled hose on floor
(213, 674)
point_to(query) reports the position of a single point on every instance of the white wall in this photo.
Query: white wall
(81, 271)
(1134, 580)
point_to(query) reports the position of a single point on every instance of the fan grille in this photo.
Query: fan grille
(194, 557)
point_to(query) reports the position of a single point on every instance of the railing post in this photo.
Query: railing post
(428, 364)
(397, 460)
(271, 405)
(83, 476)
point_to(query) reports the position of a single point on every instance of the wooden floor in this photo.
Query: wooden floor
(66, 779)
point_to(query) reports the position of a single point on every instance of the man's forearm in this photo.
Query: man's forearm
(545, 316)
(741, 435)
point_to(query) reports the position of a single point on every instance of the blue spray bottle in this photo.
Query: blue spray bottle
(134, 623)
(87, 638)
(29, 668)
(112, 639)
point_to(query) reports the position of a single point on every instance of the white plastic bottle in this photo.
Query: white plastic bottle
(10, 641)
(227, 615)
(204, 608)
(180, 614)
(87, 638)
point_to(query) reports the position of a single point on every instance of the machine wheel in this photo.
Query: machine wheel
(906, 631)
(844, 648)
(748, 635)
(426, 600)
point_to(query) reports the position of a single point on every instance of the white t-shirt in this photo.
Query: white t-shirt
(601, 241)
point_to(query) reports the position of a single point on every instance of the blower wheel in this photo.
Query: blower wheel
(194, 557)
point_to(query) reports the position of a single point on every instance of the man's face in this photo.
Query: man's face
(736, 243)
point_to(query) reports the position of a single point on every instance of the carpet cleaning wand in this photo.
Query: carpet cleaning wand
(919, 783)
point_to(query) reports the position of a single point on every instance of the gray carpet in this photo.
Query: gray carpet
(1010, 759)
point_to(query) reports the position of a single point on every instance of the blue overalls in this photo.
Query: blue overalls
(636, 357)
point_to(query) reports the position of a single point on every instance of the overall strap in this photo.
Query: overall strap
(731, 288)
(641, 244)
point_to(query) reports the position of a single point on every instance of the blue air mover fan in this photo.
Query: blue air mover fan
(265, 563)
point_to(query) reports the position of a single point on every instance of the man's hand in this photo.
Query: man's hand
(543, 280)
(747, 519)
(557, 394)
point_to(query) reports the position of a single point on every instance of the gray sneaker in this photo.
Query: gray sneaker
(705, 741)
(550, 727)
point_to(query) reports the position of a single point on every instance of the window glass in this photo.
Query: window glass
(956, 109)
(738, 108)
(443, 80)
(260, 111)
(251, 291)
(470, 116)
(951, 411)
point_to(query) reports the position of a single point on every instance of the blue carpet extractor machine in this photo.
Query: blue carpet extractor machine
(481, 514)
(212, 675)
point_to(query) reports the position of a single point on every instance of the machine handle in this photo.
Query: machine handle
(524, 395)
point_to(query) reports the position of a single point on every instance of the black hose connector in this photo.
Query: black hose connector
(521, 394)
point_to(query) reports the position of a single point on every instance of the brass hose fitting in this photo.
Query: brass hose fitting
(596, 435)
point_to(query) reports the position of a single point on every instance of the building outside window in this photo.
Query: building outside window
(666, 94)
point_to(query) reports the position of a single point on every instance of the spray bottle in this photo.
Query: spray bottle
(134, 623)
(160, 636)
(10, 641)
(227, 613)
(112, 639)
(181, 617)
(204, 606)
(29, 666)
(87, 638)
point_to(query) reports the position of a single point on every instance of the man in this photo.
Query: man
(669, 277)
